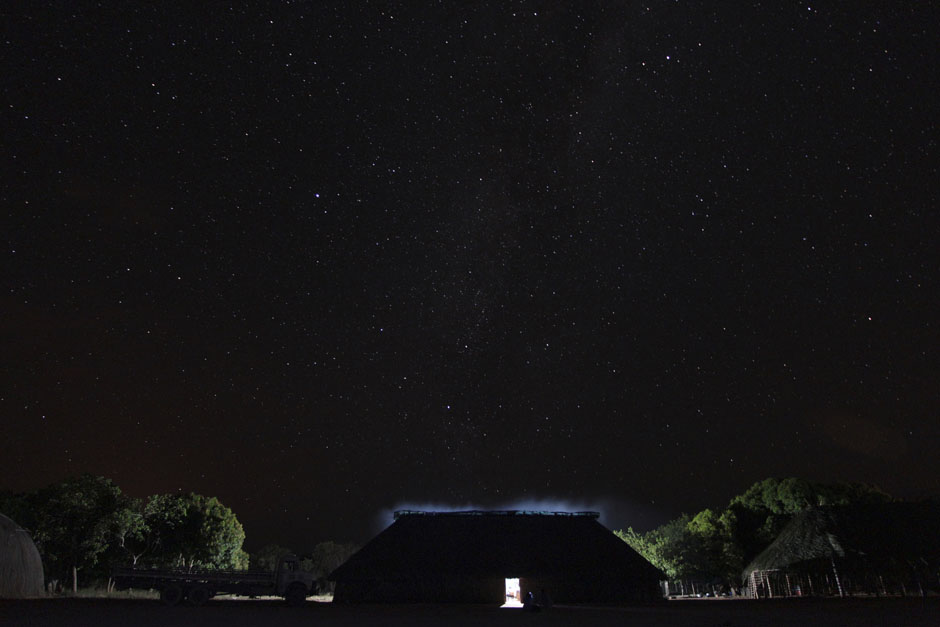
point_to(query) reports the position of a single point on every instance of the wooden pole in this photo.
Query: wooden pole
(835, 573)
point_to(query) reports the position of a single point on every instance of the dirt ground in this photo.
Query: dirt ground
(713, 613)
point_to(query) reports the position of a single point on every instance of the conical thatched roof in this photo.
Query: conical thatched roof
(481, 545)
(807, 537)
(20, 565)
(872, 534)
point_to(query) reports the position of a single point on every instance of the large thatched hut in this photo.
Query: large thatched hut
(20, 565)
(486, 557)
(886, 548)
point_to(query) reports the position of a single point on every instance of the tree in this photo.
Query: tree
(668, 547)
(19, 507)
(215, 536)
(714, 552)
(268, 556)
(850, 493)
(195, 530)
(75, 521)
(164, 515)
(763, 510)
(132, 532)
(327, 557)
(719, 543)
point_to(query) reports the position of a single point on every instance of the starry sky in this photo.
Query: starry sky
(324, 259)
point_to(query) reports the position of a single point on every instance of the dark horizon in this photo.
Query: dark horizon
(318, 260)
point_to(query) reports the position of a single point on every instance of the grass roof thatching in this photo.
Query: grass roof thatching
(876, 535)
(21, 573)
(496, 544)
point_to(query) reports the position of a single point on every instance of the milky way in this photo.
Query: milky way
(320, 259)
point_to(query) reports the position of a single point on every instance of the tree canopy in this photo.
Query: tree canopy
(193, 531)
(86, 524)
(716, 544)
(268, 556)
(327, 557)
(74, 523)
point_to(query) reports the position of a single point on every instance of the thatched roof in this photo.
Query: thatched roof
(873, 534)
(501, 544)
(21, 573)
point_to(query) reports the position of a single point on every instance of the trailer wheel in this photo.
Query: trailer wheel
(171, 594)
(198, 596)
(296, 594)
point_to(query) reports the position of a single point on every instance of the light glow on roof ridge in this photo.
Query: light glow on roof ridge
(498, 512)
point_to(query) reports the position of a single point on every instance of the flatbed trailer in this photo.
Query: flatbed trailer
(198, 586)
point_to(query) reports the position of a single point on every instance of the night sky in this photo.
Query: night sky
(324, 261)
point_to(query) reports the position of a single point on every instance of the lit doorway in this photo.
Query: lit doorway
(513, 593)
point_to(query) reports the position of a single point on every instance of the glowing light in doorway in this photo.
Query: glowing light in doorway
(513, 593)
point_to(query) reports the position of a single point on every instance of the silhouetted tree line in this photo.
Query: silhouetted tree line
(716, 545)
(86, 525)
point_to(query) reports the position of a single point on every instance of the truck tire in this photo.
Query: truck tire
(171, 594)
(198, 596)
(296, 594)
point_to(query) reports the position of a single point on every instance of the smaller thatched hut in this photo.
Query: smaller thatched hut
(20, 565)
(886, 548)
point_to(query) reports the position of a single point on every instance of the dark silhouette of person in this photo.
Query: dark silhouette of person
(529, 603)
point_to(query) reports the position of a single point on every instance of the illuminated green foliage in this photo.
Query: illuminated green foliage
(196, 531)
(85, 524)
(75, 522)
(717, 545)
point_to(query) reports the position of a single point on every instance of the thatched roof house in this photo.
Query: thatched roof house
(473, 556)
(835, 550)
(20, 565)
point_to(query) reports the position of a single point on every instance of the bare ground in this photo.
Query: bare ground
(60, 612)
